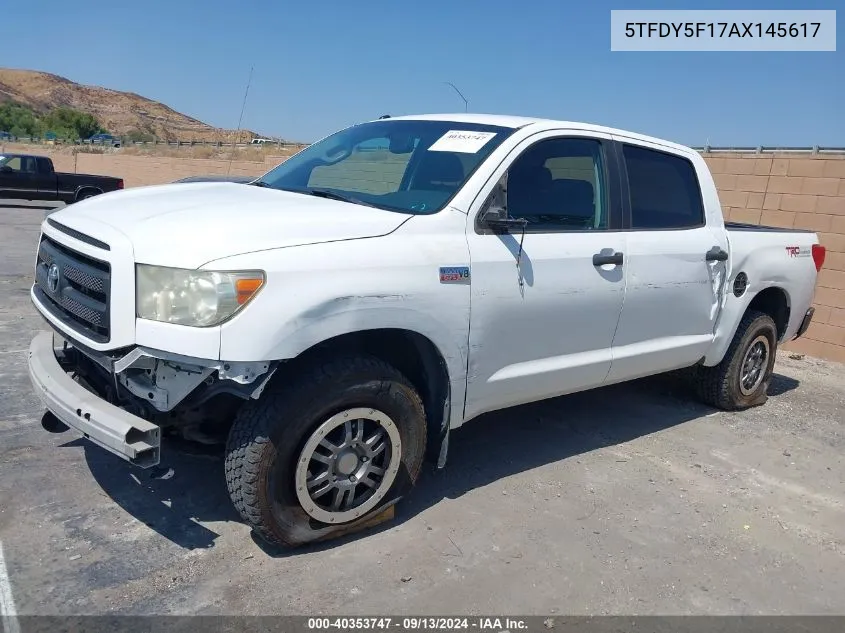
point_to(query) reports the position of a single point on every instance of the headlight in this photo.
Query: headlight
(198, 298)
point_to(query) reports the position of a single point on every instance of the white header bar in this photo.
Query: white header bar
(723, 30)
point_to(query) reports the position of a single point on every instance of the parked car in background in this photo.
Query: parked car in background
(6, 136)
(104, 139)
(31, 177)
(334, 320)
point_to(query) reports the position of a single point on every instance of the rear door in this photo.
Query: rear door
(675, 265)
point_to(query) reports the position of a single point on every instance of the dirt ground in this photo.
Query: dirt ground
(632, 499)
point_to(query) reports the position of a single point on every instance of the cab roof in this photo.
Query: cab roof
(539, 124)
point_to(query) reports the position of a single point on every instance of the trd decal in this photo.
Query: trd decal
(798, 251)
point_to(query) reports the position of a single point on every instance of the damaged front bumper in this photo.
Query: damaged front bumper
(128, 436)
(155, 382)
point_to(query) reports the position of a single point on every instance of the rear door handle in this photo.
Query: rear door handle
(716, 254)
(601, 260)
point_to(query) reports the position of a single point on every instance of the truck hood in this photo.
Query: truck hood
(187, 225)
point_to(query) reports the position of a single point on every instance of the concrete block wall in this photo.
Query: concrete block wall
(803, 192)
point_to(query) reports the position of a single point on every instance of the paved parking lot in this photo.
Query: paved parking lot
(632, 499)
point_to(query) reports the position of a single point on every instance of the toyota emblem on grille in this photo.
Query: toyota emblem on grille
(53, 278)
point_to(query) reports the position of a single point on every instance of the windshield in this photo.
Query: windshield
(399, 165)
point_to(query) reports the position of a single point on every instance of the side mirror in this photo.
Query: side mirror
(6, 169)
(495, 216)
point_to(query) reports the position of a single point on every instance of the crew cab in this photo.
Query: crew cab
(30, 177)
(333, 321)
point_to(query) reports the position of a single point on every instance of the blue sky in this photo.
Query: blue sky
(323, 65)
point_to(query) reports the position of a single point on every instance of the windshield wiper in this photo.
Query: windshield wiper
(331, 195)
(319, 193)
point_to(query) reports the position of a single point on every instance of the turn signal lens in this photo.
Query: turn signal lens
(247, 287)
(819, 253)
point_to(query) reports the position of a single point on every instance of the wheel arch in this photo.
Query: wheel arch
(772, 300)
(83, 189)
(415, 355)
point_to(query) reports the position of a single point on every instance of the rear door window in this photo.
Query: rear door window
(44, 165)
(664, 190)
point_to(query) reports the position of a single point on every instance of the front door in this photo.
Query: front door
(672, 286)
(543, 310)
(17, 177)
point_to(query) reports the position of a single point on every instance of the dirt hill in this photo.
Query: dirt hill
(118, 112)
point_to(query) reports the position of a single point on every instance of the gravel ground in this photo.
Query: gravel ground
(632, 499)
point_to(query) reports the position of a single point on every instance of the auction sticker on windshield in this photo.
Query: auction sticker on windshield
(461, 141)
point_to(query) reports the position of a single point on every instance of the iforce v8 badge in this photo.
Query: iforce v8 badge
(454, 274)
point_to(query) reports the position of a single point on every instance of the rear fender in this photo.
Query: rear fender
(779, 260)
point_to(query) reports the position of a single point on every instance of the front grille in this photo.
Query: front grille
(74, 288)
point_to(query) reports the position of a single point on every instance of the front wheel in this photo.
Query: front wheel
(741, 380)
(325, 452)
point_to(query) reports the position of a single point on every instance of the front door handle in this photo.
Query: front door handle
(601, 260)
(716, 254)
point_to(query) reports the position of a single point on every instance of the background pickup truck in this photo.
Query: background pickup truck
(331, 322)
(29, 177)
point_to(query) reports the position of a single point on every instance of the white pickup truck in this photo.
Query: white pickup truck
(333, 320)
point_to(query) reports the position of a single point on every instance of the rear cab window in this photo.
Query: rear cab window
(664, 190)
(45, 165)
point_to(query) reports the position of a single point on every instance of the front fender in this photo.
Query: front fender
(318, 292)
(346, 315)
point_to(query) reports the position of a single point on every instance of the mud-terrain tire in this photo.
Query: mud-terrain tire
(741, 380)
(270, 446)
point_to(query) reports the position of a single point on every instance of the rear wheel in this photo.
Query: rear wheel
(741, 380)
(327, 451)
(86, 194)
